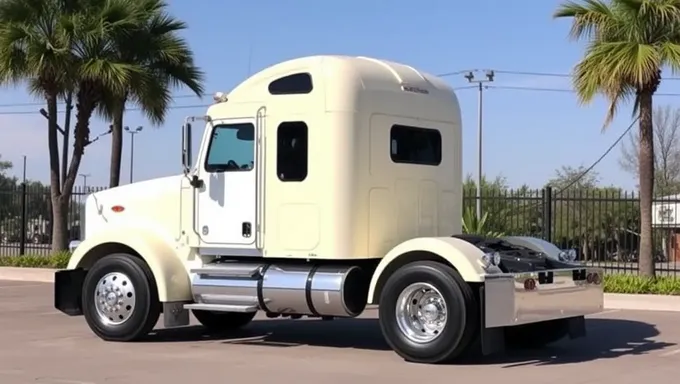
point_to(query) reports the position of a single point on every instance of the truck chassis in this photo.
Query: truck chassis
(427, 312)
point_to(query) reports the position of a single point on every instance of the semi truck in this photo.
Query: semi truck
(322, 187)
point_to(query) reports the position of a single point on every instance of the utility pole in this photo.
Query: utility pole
(84, 176)
(24, 170)
(480, 82)
(132, 133)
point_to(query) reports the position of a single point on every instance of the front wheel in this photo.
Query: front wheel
(120, 299)
(428, 313)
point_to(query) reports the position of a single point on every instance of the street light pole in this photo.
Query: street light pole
(480, 82)
(132, 133)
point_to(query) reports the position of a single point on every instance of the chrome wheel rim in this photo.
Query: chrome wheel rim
(421, 312)
(115, 298)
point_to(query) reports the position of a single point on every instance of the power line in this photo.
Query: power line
(456, 73)
(62, 103)
(528, 73)
(611, 147)
(541, 89)
(584, 173)
(127, 109)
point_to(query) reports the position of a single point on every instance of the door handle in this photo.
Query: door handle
(246, 229)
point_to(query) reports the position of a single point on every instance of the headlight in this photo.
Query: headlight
(567, 256)
(491, 259)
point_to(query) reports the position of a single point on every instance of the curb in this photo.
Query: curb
(38, 275)
(612, 301)
(642, 302)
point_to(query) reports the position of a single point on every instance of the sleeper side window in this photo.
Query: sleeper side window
(413, 145)
(231, 148)
(299, 83)
(292, 152)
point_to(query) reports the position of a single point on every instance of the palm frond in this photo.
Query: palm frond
(629, 42)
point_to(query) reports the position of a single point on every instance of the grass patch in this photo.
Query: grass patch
(633, 284)
(56, 261)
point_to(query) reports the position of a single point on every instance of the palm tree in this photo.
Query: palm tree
(629, 43)
(167, 62)
(62, 46)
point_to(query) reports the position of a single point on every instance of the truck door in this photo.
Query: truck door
(226, 204)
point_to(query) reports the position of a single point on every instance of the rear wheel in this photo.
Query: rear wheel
(428, 313)
(223, 321)
(120, 299)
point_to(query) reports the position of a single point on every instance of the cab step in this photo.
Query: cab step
(222, 307)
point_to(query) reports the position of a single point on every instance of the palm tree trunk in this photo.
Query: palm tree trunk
(646, 172)
(67, 135)
(59, 230)
(85, 106)
(116, 145)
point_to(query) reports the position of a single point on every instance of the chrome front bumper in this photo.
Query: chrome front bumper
(531, 297)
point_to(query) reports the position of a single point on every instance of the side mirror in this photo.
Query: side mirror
(186, 148)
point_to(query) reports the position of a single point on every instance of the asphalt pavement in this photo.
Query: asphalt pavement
(41, 345)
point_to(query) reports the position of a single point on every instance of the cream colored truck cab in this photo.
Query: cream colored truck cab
(322, 185)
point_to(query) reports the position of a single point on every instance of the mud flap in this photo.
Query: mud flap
(68, 285)
(492, 340)
(577, 327)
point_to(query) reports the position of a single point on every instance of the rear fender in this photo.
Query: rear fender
(534, 243)
(460, 254)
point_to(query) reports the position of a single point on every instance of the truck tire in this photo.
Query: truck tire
(120, 298)
(223, 321)
(536, 335)
(446, 327)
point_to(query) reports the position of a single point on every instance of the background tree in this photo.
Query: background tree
(629, 42)
(166, 62)
(666, 151)
(59, 46)
(517, 211)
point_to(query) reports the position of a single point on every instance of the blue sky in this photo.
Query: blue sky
(528, 134)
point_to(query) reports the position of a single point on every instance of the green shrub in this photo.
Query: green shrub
(56, 260)
(633, 284)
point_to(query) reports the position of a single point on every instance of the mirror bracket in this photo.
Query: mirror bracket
(196, 182)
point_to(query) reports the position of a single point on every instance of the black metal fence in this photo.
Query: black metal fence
(25, 218)
(602, 224)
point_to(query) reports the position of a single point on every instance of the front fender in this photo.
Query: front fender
(460, 254)
(162, 258)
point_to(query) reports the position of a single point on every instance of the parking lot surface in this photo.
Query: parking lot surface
(40, 345)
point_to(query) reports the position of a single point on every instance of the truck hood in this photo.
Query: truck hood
(136, 204)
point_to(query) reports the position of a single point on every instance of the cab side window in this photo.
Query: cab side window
(231, 148)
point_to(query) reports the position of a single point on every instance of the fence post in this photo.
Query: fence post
(24, 220)
(547, 213)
